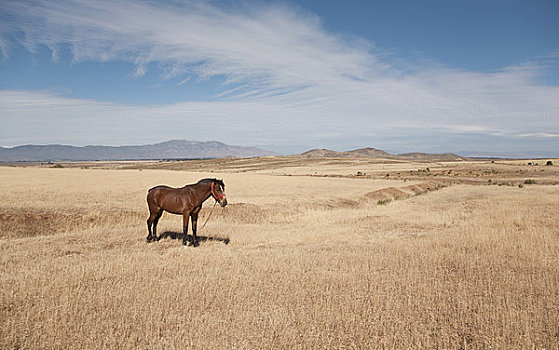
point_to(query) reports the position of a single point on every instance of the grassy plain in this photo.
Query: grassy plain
(307, 255)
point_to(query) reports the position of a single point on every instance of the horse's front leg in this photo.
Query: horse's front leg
(194, 228)
(185, 217)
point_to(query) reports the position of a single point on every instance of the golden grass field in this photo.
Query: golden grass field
(307, 255)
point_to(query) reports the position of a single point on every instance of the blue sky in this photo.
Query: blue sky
(476, 77)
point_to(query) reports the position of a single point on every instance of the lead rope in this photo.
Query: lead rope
(211, 212)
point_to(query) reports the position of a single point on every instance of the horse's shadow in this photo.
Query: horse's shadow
(189, 238)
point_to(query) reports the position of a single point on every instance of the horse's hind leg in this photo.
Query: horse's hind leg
(150, 222)
(148, 238)
(155, 221)
(154, 215)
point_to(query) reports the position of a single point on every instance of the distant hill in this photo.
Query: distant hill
(358, 153)
(376, 153)
(175, 149)
(436, 156)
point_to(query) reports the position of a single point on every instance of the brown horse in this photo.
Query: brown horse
(186, 201)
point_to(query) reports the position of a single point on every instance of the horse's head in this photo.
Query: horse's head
(218, 192)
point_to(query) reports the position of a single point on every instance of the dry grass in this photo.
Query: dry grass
(311, 263)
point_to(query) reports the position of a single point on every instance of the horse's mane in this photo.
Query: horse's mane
(203, 181)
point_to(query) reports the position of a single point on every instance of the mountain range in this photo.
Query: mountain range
(377, 153)
(182, 149)
(175, 149)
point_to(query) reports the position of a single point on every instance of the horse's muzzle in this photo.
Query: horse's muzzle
(223, 202)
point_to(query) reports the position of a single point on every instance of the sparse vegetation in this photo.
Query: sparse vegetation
(292, 262)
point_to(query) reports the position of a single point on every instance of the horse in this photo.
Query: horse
(186, 201)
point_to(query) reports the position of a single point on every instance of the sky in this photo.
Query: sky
(477, 78)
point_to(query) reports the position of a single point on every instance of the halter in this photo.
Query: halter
(214, 195)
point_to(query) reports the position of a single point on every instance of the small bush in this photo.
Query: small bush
(529, 182)
(384, 201)
(549, 163)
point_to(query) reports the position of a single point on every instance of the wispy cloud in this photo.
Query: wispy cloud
(264, 46)
(539, 134)
(286, 77)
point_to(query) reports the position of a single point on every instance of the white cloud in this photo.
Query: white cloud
(290, 80)
(539, 134)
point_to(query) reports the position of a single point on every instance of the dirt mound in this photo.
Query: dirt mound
(424, 187)
(17, 223)
(27, 223)
(340, 203)
(415, 189)
(391, 193)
